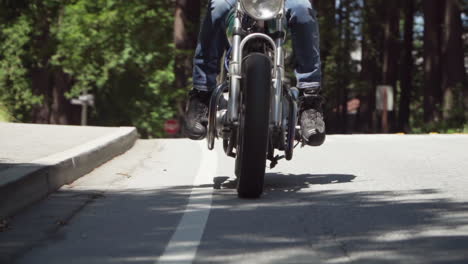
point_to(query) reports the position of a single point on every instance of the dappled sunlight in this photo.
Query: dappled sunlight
(343, 227)
(336, 226)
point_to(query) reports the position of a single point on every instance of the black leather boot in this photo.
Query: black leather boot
(311, 118)
(196, 115)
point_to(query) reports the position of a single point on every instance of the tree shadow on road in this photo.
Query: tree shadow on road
(288, 182)
(294, 182)
(294, 222)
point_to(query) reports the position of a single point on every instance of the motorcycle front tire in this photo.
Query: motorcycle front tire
(253, 137)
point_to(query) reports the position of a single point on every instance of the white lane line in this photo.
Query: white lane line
(182, 247)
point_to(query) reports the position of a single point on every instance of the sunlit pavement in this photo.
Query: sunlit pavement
(357, 199)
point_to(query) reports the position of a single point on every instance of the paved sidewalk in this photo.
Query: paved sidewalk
(37, 159)
(24, 143)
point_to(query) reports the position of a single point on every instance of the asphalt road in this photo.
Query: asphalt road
(357, 199)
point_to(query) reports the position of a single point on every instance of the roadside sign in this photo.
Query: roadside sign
(84, 101)
(384, 104)
(384, 98)
(172, 127)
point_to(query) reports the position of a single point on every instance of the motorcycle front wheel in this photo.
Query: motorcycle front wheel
(252, 133)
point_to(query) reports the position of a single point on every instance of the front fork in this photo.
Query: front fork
(236, 73)
(276, 104)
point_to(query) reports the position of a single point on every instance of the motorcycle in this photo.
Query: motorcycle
(252, 110)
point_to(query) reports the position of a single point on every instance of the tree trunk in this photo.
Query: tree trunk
(62, 110)
(41, 81)
(186, 22)
(391, 44)
(346, 56)
(371, 45)
(406, 68)
(390, 55)
(47, 81)
(453, 68)
(52, 84)
(187, 18)
(341, 60)
(433, 14)
(326, 10)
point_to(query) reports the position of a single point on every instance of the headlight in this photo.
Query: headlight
(262, 9)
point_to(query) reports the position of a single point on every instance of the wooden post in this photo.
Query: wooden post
(385, 112)
(85, 101)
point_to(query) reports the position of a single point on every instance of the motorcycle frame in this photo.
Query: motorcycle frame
(235, 76)
(235, 67)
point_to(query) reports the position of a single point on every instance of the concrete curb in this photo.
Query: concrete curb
(28, 183)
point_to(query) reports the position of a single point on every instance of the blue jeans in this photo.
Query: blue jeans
(212, 42)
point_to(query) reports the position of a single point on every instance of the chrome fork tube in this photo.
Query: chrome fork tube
(278, 82)
(235, 75)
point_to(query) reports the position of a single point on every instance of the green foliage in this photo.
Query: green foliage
(455, 124)
(340, 72)
(15, 84)
(121, 51)
(4, 116)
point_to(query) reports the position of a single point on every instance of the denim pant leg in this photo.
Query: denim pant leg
(304, 29)
(212, 42)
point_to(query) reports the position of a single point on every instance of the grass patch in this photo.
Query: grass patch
(4, 116)
(441, 129)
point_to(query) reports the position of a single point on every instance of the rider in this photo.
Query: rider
(212, 42)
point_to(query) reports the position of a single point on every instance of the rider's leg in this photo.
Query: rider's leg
(212, 41)
(303, 25)
(211, 44)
